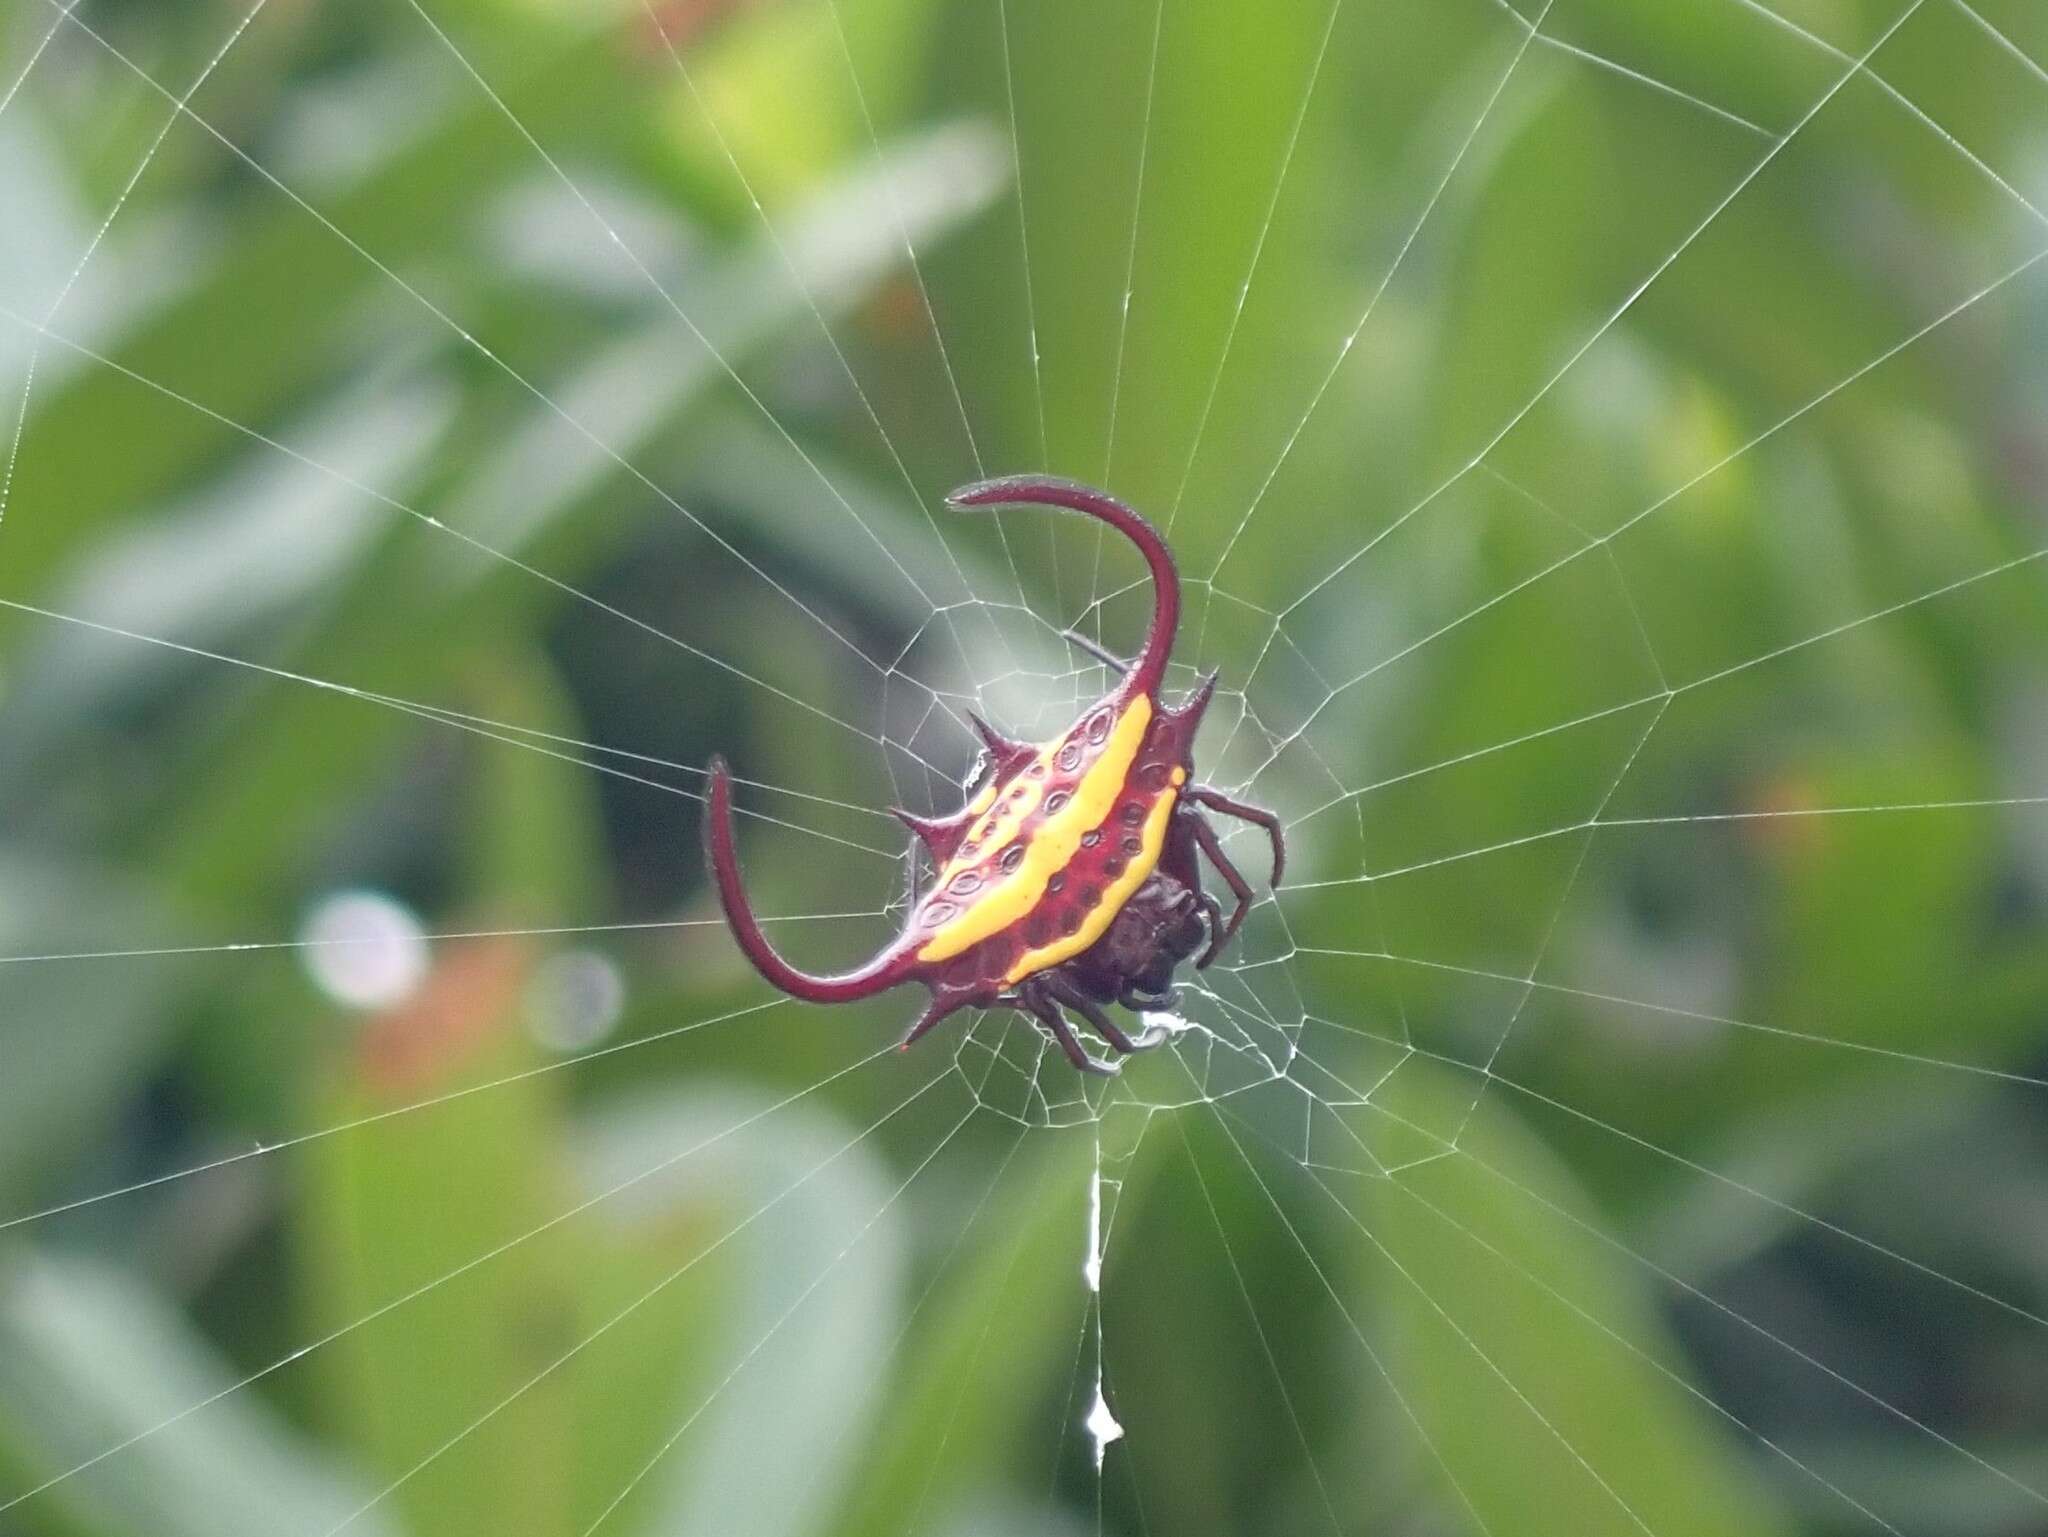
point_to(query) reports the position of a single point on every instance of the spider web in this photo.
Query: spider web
(1403, 1043)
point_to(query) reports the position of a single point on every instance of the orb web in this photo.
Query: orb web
(1531, 921)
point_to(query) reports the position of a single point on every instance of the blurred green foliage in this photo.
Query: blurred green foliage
(1605, 459)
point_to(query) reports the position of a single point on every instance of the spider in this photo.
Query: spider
(1071, 879)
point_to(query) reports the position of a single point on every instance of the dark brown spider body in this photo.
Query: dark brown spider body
(1071, 878)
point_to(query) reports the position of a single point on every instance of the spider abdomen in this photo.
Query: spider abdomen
(1060, 845)
(1119, 868)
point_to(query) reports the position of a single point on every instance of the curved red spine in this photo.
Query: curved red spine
(1044, 490)
(884, 971)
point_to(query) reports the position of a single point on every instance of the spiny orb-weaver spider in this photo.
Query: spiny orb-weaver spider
(1071, 877)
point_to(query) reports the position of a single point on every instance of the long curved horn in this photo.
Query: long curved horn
(884, 971)
(1046, 490)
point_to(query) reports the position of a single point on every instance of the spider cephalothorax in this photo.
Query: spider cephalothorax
(1071, 879)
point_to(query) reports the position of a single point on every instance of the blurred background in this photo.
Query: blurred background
(1604, 443)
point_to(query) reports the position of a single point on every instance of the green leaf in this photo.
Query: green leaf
(77, 1037)
(1529, 1346)
(410, 1230)
(967, 1396)
(759, 1256)
(91, 1361)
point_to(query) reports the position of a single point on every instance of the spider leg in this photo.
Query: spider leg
(1115, 664)
(1032, 998)
(1259, 816)
(1212, 913)
(1180, 859)
(1086, 1007)
(1205, 836)
(1138, 1002)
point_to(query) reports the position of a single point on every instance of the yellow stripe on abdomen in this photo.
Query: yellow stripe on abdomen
(1113, 898)
(995, 829)
(983, 801)
(1053, 845)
